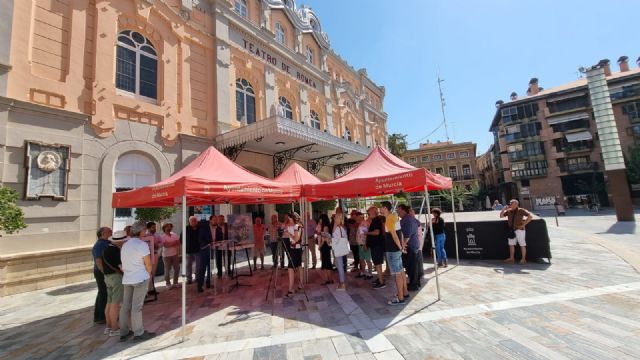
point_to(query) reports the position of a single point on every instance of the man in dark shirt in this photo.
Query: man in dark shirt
(222, 233)
(193, 247)
(375, 242)
(205, 238)
(101, 298)
(113, 279)
(409, 227)
(352, 231)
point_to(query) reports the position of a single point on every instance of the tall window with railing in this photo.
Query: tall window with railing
(245, 102)
(280, 34)
(284, 108)
(136, 65)
(315, 120)
(347, 134)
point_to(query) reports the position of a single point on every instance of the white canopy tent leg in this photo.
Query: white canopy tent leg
(184, 266)
(433, 242)
(455, 226)
(305, 241)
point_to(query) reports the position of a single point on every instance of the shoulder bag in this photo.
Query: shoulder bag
(340, 245)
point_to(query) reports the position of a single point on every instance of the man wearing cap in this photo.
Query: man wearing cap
(517, 218)
(112, 268)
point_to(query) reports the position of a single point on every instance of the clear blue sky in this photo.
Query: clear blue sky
(484, 50)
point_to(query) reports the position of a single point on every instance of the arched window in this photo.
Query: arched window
(280, 35)
(131, 172)
(136, 65)
(240, 6)
(347, 134)
(285, 108)
(315, 120)
(245, 102)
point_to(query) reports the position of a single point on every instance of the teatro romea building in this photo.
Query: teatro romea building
(102, 96)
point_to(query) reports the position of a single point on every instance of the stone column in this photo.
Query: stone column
(223, 81)
(304, 106)
(328, 108)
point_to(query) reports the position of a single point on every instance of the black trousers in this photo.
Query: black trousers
(414, 268)
(203, 270)
(277, 254)
(355, 249)
(101, 298)
(219, 261)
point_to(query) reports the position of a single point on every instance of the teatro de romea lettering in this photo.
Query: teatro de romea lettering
(103, 96)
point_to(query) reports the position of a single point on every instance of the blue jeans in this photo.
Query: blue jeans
(441, 254)
(204, 267)
(339, 264)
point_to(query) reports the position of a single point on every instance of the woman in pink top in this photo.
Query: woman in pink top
(258, 239)
(170, 246)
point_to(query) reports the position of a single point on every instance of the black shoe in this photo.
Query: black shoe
(145, 336)
(208, 286)
(99, 322)
(413, 288)
(200, 290)
(125, 337)
(379, 286)
(189, 282)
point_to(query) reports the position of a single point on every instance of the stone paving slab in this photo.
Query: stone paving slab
(584, 305)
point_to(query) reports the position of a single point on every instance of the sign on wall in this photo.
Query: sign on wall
(47, 170)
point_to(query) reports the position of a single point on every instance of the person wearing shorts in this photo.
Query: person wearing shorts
(518, 219)
(394, 248)
(375, 243)
(113, 279)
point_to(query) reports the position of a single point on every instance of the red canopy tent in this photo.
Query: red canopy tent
(297, 175)
(380, 173)
(209, 179)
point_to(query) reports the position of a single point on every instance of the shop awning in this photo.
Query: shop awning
(276, 134)
(578, 136)
(567, 118)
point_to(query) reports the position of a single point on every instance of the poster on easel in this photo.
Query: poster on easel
(240, 228)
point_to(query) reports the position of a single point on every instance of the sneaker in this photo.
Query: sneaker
(379, 286)
(145, 336)
(113, 333)
(106, 331)
(125, 337)
(395, 302)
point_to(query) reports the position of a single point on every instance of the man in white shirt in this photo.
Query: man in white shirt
(136, 267)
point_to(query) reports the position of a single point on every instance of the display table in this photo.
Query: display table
(483, 235)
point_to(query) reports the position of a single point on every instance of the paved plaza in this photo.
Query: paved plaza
(582, 306)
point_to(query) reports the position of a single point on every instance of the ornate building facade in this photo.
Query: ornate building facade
(103, 96)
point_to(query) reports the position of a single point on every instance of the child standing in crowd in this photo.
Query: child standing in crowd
(363, 250)
(258, 239)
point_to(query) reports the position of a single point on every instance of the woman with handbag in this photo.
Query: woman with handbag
(324, 243)
(292, 231)
(340, 246)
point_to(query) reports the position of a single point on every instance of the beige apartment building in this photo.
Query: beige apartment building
(546, 146)
(487, 173)
(102, 96)
(455, 160)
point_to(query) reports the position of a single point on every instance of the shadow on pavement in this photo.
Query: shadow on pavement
(621, 227)
(72, 289)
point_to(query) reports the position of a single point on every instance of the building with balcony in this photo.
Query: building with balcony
(546, 143)
(97, 97)
(455, 160)
(487, 173)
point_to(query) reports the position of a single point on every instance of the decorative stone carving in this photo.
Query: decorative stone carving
(47, 170)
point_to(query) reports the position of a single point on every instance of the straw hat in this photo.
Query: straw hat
(119, 235)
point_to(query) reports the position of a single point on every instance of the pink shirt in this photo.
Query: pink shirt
(168, 242)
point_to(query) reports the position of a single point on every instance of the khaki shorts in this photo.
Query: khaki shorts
(114, 288)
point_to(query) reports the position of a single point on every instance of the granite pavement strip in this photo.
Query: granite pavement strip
(583, 306)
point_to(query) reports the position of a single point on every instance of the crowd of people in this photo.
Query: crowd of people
(125, 262)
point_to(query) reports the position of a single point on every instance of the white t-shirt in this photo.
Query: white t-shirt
(170, 239)
(132, 263)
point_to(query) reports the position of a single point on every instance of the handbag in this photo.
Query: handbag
(340, 245)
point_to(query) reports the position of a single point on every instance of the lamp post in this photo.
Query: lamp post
(609, 141)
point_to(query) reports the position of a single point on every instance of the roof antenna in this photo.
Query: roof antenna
(442, 104)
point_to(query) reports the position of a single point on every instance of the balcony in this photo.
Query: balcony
(525, 155)
(520, 137)
(625, 92)
(576, 148)
(462, 177)
(579, 167)
(528, 173)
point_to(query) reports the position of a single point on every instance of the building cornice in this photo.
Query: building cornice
(28, 107)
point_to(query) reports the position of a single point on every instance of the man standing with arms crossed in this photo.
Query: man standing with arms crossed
(517, 218)
(394, 248)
